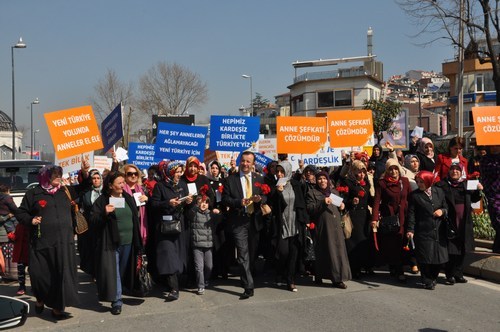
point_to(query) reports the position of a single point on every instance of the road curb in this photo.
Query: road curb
(483, 265)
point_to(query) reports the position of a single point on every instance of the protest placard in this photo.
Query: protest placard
(350, 128)
(74, 163)
(102, 162)
(73, 131)
(487, 124)
(267, 146)
(112, 128)
(178, 142)
(300, 134)
(141, 155)
(233, 133)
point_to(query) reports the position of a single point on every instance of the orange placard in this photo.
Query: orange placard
(73, 131)
(300, 134)
(487, 124)
(349, 128)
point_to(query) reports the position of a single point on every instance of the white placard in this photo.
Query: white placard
(137, 201)
(167, 218)
(417, 132)
(102, 162)
(72, 164)
(192, 188)
(281, 182)
(476, 205)
(121, 154)
(117, 202)
(336, 200)
(472, 184)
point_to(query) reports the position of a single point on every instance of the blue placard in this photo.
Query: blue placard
(112, 128)
(178, 142)
(141, 155)
(233, 133)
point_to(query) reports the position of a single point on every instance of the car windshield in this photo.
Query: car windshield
(19, 178)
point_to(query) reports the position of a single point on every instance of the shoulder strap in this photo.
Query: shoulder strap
(75, 206)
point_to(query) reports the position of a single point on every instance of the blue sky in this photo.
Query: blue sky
(71, 44)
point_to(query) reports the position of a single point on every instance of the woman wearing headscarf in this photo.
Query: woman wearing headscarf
(427, 225)
(459, 201)
(114, 215)
(330, 249)
(426, 155)
(357, 199)
(290, 218)
(133, 187)
(191, 175)
(379, 159)
(171, 249)
(47, 210)
(222, 245)
(391, 199)
(454, 155)
(87, 240)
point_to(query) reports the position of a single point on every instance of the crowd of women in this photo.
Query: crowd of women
(412, 210)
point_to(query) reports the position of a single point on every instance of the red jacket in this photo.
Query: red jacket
(443, 164)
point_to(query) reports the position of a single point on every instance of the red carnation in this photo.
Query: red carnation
(42, 203)
(361, 193)
(264, 170)
(473, 176)
(362, 183)
(264, 188)
(221, 188)
(312, 225)
(204, 189)
(12, 236)
(341, 189)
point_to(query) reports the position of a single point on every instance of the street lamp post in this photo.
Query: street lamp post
(34, 102)
(419, 107)
(20, 44)
(34, 142)
(251, 93)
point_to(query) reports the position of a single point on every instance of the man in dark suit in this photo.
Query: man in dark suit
(243, 195)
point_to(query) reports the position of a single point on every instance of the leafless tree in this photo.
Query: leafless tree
(441, 20)
(110, 91)
(171, 89)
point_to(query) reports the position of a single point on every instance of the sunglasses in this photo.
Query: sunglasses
(132, 173)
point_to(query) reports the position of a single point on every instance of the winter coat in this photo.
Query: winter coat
(429, 232)
(108, 240)
(202, 228)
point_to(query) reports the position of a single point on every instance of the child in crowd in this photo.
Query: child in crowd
(203, 222)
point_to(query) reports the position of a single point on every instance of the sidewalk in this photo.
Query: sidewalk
(483, 263)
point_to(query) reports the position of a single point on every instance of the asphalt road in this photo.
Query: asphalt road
(374, 303)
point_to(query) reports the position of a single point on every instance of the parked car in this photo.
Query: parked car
(20, 175)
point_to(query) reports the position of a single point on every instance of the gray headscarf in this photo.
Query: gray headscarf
(287, 167)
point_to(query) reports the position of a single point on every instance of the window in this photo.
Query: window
(325, 99)
(337, 98)
(479, 83)
(343, 98)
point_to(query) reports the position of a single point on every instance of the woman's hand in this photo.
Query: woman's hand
(280, 188)
(109, 208)
(373, 224)
(36, 220)
(174, 202)
(328, 200)
(355, 201)
(409, 235)
(480, 186)
(342, 206)
(438, 213)
(143, 198)
(216, 211)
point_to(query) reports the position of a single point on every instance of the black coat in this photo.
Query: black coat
(279, 205)
(108, 240)
(171, 249)
(464, 241)
(233, 194)
(429, 232)
(52, 260)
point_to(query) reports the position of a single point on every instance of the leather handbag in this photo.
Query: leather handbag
(346, 225)
(143, 281)
(80, 223)
(389, 224)
(170, 227)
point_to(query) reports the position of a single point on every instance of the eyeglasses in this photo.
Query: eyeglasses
(132, 174)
